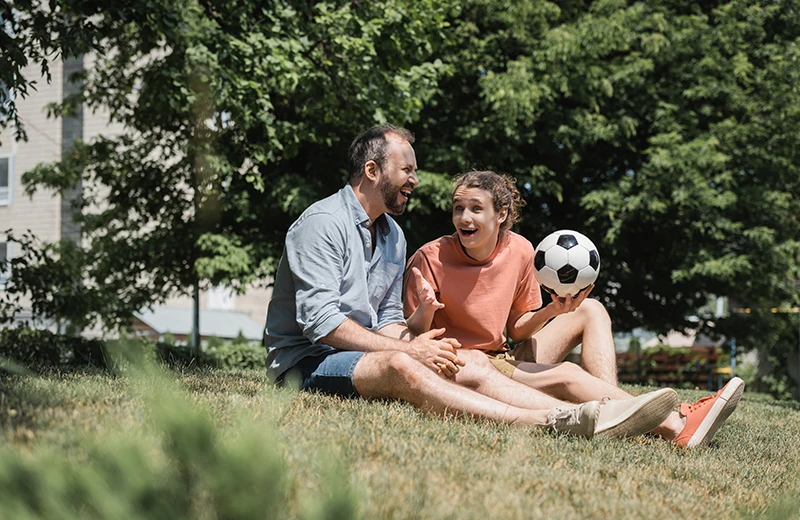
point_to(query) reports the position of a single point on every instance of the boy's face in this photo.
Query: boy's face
(476, 221)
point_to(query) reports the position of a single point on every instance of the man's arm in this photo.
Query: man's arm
(398, 331)
(436, 354)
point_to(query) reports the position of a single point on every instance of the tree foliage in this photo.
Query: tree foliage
(237, 116)
(666, 131)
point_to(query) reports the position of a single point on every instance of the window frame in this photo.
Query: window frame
(9, 191)
(6, 273)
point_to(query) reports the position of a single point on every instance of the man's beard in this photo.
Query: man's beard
(390, 195)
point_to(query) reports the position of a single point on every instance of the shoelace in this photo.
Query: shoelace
(565, 417)
(686, 408)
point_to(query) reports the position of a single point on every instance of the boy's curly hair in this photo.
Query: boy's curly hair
(503, 189)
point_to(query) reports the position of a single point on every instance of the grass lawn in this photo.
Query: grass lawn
(398, 463)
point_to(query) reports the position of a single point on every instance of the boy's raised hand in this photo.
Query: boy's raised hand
(563, 305)
(424, 290)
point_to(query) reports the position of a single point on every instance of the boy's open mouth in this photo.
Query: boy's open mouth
(468, 232)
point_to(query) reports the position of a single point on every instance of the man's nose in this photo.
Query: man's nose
(414, 180)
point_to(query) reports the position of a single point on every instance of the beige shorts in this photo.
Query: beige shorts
(503, 361)
(506, 361)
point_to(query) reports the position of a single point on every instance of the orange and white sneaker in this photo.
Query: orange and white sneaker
(704, 417)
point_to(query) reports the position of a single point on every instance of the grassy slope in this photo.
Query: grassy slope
(403, 464)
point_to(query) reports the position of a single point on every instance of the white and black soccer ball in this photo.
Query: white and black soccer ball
(566, 262)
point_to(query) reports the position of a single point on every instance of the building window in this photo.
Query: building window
(5, 180)
(5, 96)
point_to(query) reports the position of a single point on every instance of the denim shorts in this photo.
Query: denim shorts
(329, 373)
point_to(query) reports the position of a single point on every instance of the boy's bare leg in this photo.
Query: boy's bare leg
(590, 326)
(569, 382)
(398, 375)
(479, 374)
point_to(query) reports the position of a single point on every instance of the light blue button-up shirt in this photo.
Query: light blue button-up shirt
(328, 272)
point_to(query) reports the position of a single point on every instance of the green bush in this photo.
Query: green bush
(237, 355)
(36, 349)
(220, 355)
(42, 350)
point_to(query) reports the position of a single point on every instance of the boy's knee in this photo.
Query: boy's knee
(569, 367)
(593, 309)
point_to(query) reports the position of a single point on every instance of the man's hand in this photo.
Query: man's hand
(424, 290)
(568, 303)
(437, 354)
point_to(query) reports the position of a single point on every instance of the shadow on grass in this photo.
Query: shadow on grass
(208, 380)
(789, 405)
(785, 508)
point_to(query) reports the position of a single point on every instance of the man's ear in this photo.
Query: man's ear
(371, 170)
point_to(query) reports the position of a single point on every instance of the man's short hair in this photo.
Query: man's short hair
(372, 145)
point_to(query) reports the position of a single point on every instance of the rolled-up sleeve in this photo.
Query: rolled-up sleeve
(316, 252)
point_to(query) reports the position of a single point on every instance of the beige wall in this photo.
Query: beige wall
(253, 302)
(41, 213)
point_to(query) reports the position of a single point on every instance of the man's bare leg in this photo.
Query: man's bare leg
(397, 375)
(566, 381)
(590, 326)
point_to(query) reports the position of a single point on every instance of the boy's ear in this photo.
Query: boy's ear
(502, 215)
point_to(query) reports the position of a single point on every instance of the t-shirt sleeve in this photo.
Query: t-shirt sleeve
(529, 294)
(410, 298)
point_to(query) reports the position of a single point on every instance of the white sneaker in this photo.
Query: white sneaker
(579, 419)
(635, 416)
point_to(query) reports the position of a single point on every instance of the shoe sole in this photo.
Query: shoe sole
(720, 411)
(645, 418)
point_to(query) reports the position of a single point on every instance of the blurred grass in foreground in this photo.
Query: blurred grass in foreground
(226, 444)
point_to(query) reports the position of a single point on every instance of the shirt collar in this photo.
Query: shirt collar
(360, 215)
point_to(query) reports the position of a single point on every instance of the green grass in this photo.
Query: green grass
(399, 463)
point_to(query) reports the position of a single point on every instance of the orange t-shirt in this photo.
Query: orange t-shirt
(477, 296)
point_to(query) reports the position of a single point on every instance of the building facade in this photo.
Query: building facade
(48, 215)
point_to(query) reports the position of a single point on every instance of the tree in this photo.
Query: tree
(31, 33)
(666, 131)
(237, 116)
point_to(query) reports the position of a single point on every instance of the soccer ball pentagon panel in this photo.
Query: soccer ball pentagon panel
(566, 262)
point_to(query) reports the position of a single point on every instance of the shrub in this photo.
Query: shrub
(41, 350)
(36, 349)
(237, 355)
